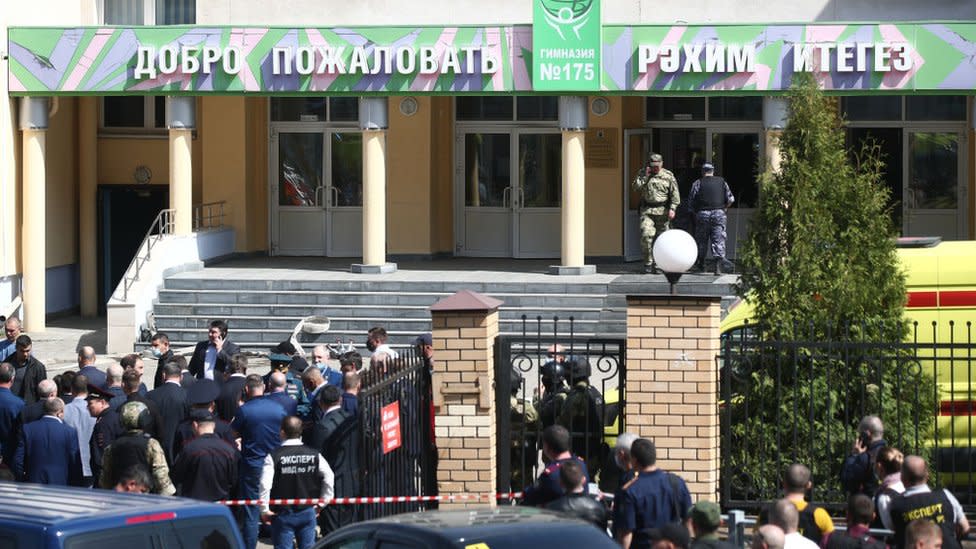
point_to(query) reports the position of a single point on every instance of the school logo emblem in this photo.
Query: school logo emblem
(567, 16)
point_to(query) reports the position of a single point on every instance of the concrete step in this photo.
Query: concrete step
(385, 299)
(189, 282)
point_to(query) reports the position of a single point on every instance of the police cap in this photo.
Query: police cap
(97, 393)
(708, 167)
(657, 159)
(203, 391)
(201, 416)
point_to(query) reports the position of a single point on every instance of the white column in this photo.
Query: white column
(573, 121)
(373, 120)
(33, 124)
(775, 116)
(181, 120)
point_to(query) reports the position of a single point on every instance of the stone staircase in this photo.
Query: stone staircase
(261, 313)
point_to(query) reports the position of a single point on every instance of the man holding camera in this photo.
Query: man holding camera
(659, 200)
(858, 474)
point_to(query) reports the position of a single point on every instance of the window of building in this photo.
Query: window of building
(661, 109)
(134, 113)
(314, 109)
(735, 108)
(506, 109)
(148, 12)
(871, 107)
(935, 107)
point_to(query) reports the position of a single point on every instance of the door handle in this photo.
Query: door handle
(318, 197)
(334, 196)
(521, 200)
(506, 195)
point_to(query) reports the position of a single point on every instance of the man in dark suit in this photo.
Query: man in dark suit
(170, 398)
(47, 451)
(86, 367)
(46, 390)
(211, 357)
(334, 436)
(163, 354)
(233, 388)
(10, 407)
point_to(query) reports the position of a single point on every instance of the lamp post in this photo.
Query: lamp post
(675, 251)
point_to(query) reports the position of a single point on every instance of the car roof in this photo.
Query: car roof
(22, 503)
(470, 526)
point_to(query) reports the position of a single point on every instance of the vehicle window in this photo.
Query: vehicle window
(212, 533)
(114, 538)
(348, 543)
(391, 544)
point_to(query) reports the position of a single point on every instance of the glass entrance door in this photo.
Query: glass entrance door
(735, 156)
(933, 194)
(511, 183)
(317, 188)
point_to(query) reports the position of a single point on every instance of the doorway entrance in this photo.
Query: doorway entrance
(508, 187)
(317, 190)
(125, 213)
(735, 153)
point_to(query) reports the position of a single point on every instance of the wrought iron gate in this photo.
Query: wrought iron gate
(525, 406)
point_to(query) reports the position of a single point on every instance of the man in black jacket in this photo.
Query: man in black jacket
(334, 435)
(576, 502)
(207, 468)
(211, 357)
(163, 354)
(170, 399)
(232, 388)
(107, 426)
(28, 371)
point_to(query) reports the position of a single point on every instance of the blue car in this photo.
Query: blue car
(34, 516)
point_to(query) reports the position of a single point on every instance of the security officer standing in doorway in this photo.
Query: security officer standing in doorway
(659, 201)
(710, 197)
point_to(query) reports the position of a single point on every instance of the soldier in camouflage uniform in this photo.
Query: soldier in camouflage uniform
(659, 200)
(524, 431)
(135, 447)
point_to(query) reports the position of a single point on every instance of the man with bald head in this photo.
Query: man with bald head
(277, 385)
(783, 513)
(86, 366)
(46, 390)
(921, 502)
(47, 450)
(768, 536)
(858, 474)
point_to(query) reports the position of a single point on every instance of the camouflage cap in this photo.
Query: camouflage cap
(134, 414)
(657, 159)
(706, 515)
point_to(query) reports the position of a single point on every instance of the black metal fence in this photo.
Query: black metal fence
(396, 398)
(534, 381)
(801, 399)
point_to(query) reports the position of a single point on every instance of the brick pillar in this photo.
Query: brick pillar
(465, 326)
(672, 384)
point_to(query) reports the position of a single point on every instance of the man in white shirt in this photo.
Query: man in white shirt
(376, 343)
(784, 514)
(294, 471)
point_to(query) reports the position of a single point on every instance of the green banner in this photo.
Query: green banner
(566, 45)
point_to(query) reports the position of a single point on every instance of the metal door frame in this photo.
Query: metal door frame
(274, 130)
(962, 175)
(518, 188)
(329, 204)
(649, 132)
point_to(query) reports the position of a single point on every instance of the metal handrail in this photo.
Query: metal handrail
(205, 214)
(163, 225)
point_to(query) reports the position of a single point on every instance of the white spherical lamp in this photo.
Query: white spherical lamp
(675, 251)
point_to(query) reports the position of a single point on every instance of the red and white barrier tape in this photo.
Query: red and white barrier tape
(368, 500)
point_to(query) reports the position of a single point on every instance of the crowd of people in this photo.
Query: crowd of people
(652, 508)
(208, 429)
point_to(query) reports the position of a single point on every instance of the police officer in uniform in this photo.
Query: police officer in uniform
(107, 427)
(207, 467)
(710, 197)
(553, 378)
(294, 471)
(202, 395)
(135, 447)
(555, 447)
(653, 499)
(659, 200)
(920, 502)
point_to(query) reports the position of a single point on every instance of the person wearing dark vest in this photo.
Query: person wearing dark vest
(294, 471)
(135, 447)
(814, 521)
(710, 197)
(921, 502)
(860, 513)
